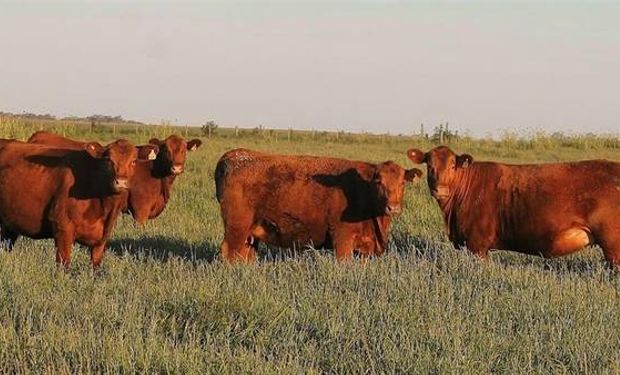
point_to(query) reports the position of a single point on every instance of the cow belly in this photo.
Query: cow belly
(289, 232)
(27, 219)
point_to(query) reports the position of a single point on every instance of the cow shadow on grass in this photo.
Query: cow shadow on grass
(163, 248)
(586, 263)
(427, 248)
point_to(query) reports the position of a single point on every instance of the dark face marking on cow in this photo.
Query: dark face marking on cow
(389, 183)
(443, 168)
(172, 153)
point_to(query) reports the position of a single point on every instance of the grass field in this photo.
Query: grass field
(164, 303)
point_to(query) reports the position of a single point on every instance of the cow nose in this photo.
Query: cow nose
(177, 169)
(121, 184)
(440, 192)
(392, 209)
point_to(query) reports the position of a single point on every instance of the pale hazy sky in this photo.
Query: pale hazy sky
(355, 66)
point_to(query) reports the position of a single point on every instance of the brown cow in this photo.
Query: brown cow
(292, 201)
(44, 137)
(151, 185)
(71, 196)
(547, 209)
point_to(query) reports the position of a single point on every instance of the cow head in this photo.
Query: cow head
(119, 158)
(388, 182)
(444, 167)
(172, 153)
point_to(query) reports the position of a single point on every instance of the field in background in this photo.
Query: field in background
(163, 303)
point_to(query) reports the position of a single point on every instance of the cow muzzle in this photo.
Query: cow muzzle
(441, 192)
(120, 184)
(176, 169)
(393, 210)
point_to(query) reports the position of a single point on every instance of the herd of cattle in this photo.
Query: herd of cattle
(74, 191)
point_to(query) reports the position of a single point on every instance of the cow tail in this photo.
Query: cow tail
(220, 176)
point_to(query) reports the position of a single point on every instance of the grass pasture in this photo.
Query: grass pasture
(164, 303)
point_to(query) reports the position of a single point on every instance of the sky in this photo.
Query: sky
(356, 66)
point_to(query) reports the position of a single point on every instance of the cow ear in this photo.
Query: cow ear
(464, 161)
(154, 141)
(94, 149)
(416, 156)
(193, 144)
(149, 152)
(413, 175)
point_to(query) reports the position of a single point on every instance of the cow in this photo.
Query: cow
(151, 185)
(293, 201)
(541, 209)
(145, 152)
(68, 195)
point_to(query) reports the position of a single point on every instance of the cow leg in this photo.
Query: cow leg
(609, 239)
(478, 247)
(344, 244)
(238, 244)
(141, 216)
(96, 255)
(64, 244)
(233, 251)
(8, 237)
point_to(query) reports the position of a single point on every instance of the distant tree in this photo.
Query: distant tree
(209, 128)
(443, 134)
(105, 118)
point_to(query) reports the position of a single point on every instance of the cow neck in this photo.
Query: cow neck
(458, 195)
(112, 212)
(165, 179)
(166, 186)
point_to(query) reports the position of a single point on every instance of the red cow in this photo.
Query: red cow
(151, 185)
(71, 196)
(545, 209)
(292, 201)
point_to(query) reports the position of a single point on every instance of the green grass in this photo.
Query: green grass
(164, 303)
